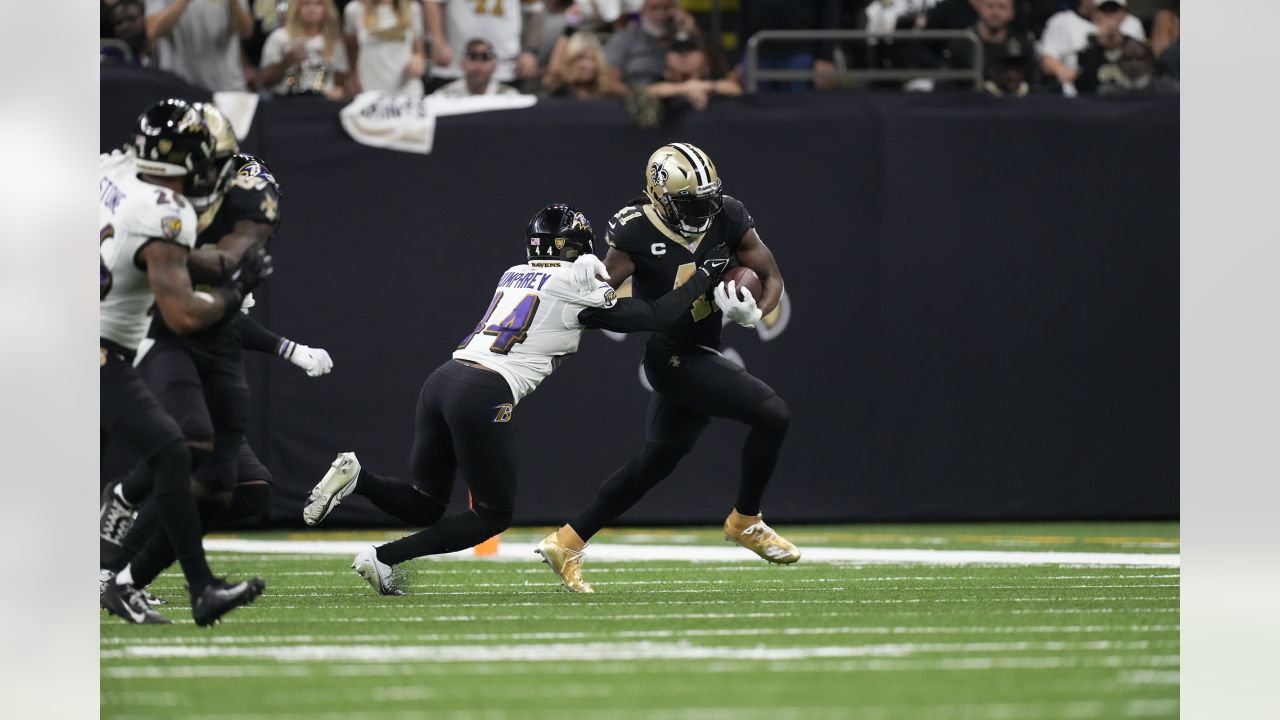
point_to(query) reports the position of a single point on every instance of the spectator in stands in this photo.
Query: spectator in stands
(199, 40)
(1166, 31)
(384, 44)
(637, 54)
(125, 24)
(515, 36)
(1115, 64)
(479, 63)
(306, 55)
(688, 77)
(578, 69)
(757, 15)
(999, 41)
(1067, 34)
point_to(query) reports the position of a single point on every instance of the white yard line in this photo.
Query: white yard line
(593, 651)
(699, 553)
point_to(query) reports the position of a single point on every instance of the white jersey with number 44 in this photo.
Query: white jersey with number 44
(131, 214)
(531, 322)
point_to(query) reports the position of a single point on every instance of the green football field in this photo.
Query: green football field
(919, 622)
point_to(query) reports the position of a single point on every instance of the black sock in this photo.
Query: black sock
(760, 453)
(454, 532)
(171, 469)
(627, 485)
(400, 499)
(152, 559)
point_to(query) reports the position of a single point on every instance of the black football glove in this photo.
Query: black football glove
(254, 267)
(716, 262)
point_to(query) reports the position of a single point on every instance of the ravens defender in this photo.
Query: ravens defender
(148, 229)
(467, 406)
(199, 378)
(658, 240)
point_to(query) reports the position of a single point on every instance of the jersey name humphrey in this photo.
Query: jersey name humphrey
(531, 323)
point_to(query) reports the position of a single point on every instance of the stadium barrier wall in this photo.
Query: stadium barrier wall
(982, 299)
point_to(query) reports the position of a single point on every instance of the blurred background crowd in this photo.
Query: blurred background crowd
(646, 52)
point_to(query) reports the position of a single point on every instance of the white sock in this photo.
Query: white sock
(125, 576)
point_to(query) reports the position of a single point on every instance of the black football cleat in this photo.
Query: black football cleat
(130, 603)
(220, 597)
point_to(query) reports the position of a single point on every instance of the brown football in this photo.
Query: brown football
(744, 277)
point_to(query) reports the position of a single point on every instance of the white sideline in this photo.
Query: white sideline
(705, 553)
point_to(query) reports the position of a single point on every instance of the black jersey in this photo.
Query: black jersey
(665, 260)
(254, 195)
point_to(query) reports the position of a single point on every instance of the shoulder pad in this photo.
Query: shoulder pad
(627, 228)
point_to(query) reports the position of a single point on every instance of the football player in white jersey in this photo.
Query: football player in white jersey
(466, 409)
(148, 228)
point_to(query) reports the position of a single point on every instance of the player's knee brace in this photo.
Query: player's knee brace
(773, 416)
(170, 469)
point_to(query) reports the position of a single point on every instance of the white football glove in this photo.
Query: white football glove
(588, 272)
(247, 303)
(744, 312)
(315, 361)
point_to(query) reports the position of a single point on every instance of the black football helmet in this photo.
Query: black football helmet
(172, 140)
(559, 232)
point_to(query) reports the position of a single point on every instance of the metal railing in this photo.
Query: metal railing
(755, 75)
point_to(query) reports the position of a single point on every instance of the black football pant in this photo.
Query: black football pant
(691, 386)
(203, 388)
(131, 414)
(249, 498)
(463, 423)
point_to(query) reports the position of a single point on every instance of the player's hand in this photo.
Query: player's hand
(716, 262)
(744, 312)
(247, 303)
(588, 272)
(253, 269)
(315, 361)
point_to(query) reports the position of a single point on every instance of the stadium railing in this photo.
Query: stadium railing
(755, 75)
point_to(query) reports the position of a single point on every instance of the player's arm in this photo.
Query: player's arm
(160, 23)
(183, 311)
(254, 336)
(620, 266)
(211, 264)
(633, 314)
(753, 253)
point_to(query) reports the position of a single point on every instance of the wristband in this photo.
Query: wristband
(285, 348)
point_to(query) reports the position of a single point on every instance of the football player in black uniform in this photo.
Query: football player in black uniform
(658, 241)
(149, 228)
(199, 378)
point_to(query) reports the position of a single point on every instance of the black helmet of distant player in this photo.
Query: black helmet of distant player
(172, 140)
(206, 190)
(559, 232)
(684, 187)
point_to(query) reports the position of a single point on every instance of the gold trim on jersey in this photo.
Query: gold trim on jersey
(690, 244)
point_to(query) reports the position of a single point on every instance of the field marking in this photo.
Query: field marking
(623, 552)
(265, 668)
(328, 639)
(569, 652)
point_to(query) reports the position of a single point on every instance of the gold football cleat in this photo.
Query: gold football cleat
(565, 561)
(750, 532)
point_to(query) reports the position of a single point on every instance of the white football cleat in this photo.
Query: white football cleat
(378, 574)
(336, 484)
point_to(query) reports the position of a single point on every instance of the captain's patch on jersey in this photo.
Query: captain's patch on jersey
(170, 226)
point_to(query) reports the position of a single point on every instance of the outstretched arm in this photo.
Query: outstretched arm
(254, 336)
(632, 314)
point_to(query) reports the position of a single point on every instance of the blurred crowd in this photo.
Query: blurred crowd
(650, 53)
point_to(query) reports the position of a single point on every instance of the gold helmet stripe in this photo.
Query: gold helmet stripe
(692, 156)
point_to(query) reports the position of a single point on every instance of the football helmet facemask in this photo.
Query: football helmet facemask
(684, 187)
(172, 140)
(205, 189)
(559, 232)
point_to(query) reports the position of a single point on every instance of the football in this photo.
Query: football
(744, 277)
